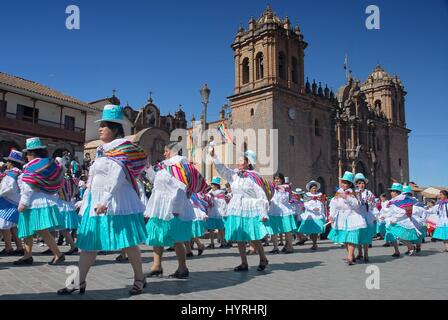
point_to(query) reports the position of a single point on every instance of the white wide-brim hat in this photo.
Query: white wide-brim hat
(311, 183)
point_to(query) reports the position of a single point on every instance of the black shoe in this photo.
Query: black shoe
(281, 243)
(18, 252)
(351, 262)
(396, 255)
(370, 246)
(359, 257)
(274, 251)
(5, 252)
(67, 291)
(241, 267)
(386, 245)
(170, 249)
(179, 275)
(189, 255)
(120, 259)
(54, 262)
(366, 259)
(301, 242)
(24, 262)
(211, 246)
(71, 251)
(262, 265)
(155, 273)
(200, 251)
(138, 289)
(284, 249)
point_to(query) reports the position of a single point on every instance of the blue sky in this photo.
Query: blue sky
(172, 47)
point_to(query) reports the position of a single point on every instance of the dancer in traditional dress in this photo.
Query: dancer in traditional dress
(112, 210)
(381, 224)
(40, 182)
(282, 215)
(347, 221)
(299, 205)
(441, 209)
(399, 224)
(419, 217)
(247, 216)
(313, 217)
(67, 209)
(216, 213)
(169, 209)
(367, 199)
(9, 200)
(201, 204)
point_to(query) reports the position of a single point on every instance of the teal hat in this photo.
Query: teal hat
(216, 180)
(407, 189)
(251, 156)
(33, 144)
(396, 187)
(112, 113)
(360, 176)
(348, 176)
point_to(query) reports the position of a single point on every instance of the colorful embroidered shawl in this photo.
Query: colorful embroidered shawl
(44, 174)
(187, 174)
(260, 181)
(404, 203)
(130, 157)
(199, 201)
(68, 189)
(13, 173)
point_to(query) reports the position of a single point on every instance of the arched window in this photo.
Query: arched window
(281, 65)
(245, 70)
(252, 112)
(316, 128)
(378, 105)
(294, 72)
(259, 66)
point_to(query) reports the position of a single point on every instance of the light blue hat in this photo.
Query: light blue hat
(251, 156)
(33, 144)
(112, 113)
(407, 189)
(396, 187)
(360, 176)
(16, 156)
(348, 176)
(216, 180)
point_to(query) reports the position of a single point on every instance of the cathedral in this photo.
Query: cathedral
(321, 134)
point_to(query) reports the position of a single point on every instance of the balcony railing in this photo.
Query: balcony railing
(41, 128)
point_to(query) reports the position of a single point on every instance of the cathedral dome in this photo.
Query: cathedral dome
(269, 16)
(379, 74)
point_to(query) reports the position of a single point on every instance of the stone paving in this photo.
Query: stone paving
(302, 275)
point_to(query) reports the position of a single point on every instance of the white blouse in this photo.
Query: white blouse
(169, 195)
(9, 189)
(248, 199)
(219, 205)
(346, 214)
(33, 198)
(109, 187)
(313, 209)
(280, 205)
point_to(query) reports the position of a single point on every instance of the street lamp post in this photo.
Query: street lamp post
(205, 95)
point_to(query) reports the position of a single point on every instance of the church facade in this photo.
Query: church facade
(321, 134)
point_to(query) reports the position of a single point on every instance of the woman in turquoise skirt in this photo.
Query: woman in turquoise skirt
(313, 217)
(441, 209)
(247, 212)
(39, 183)
(112, 213)
(347, 221)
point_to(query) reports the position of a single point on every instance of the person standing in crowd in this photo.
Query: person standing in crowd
(441, 209)
(247, 211)
(347, 221)
(400, 226)
(216, 213)
(67, 208)
(281, 215)
(40, 182)
(86, 163)
(381, 224)
(9, 200)
(367, 199)
(169, 209)
(419, 216)
(313, 217)
(112, 213)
